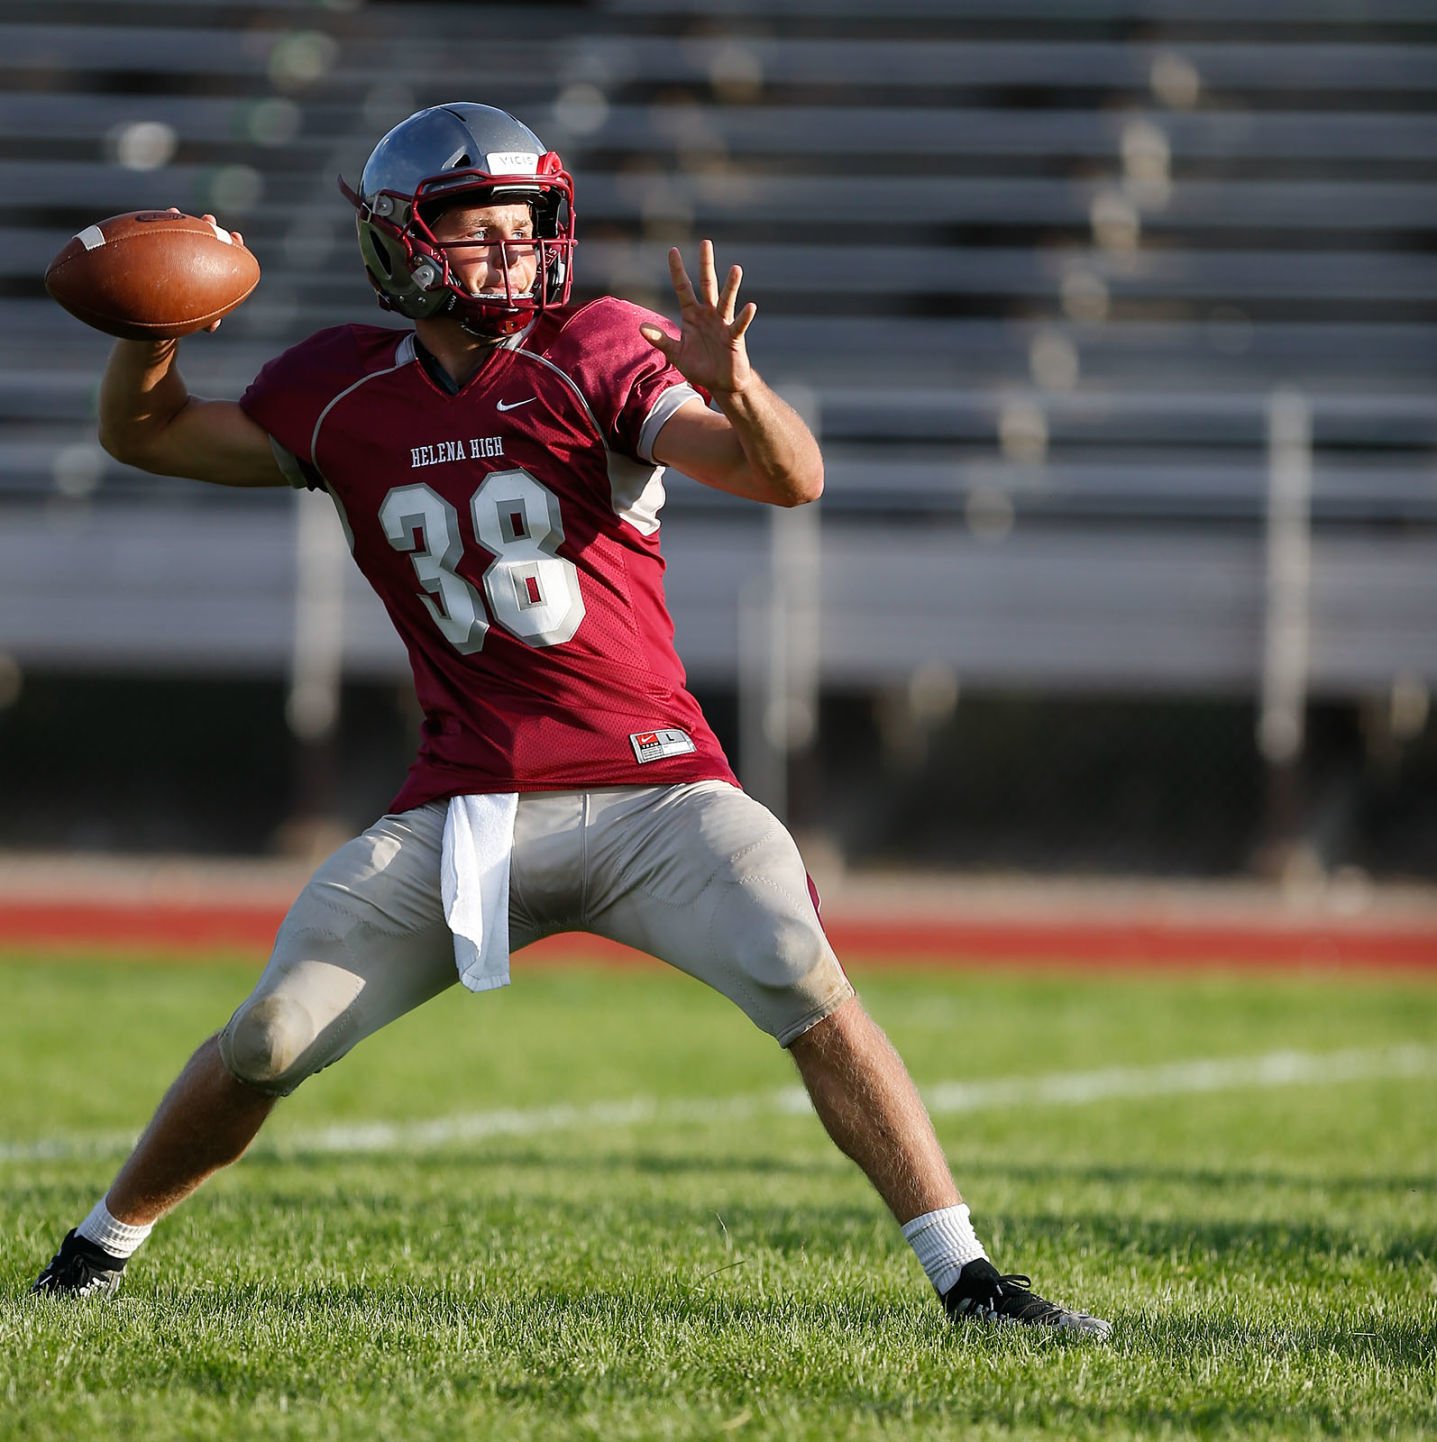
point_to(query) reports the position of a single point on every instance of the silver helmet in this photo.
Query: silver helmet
(428, 159)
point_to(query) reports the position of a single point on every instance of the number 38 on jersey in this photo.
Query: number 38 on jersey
(531, 590)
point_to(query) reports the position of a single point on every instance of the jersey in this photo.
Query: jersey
(511, 530)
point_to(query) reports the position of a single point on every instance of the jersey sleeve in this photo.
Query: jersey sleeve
(290, 394)
(631, 387)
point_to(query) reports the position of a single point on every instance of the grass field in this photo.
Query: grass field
(590, 1207)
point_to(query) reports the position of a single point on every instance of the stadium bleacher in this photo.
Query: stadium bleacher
(1035, 268)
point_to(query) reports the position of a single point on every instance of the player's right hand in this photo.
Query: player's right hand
(238, 239)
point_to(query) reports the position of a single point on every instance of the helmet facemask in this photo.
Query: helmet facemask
(500, 309)
(411, 269)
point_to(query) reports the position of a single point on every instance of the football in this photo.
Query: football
(152, 274)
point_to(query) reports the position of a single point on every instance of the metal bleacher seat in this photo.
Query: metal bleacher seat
(1035, 267)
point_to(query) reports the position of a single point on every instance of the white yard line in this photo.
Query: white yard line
(1079, 1088)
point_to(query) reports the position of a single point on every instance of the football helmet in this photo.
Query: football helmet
(487, 156)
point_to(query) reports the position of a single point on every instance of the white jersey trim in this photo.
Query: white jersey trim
(662, 412)
(636, 488)
(636, 492)
(573, 386)
(289, 466)
(403, 355)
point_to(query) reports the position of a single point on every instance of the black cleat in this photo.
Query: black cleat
(981, 1295)
(79, 1269)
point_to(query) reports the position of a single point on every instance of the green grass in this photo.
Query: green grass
(1268, 1254)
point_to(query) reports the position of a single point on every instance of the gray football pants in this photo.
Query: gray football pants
(699, 875)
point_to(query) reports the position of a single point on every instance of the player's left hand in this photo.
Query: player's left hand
(710, 351)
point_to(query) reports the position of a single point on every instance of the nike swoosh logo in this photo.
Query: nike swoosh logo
(512, 405)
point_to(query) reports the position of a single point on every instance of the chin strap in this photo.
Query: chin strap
(497, 329)
(491, 337)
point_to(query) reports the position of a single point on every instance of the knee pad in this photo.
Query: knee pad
(266, 1043)
(785, 963)
(775, 944)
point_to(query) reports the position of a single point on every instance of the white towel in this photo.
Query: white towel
(474, 880)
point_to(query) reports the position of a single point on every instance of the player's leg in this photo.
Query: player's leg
(204, 1122)
(363, 943)
(707, 879)
(868, 1104)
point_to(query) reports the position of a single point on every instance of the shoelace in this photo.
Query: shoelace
(1010, 1297)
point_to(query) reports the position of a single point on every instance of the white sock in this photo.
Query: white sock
(118, 1238)
(944, 1242)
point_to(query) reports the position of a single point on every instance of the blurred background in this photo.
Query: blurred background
(1117, 320)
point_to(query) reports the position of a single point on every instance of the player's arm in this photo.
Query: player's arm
(754, 445)
(149, 419)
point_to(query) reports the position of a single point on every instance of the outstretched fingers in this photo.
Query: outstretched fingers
(679, 277)
(729, 298)
(711, 316)
(707, 291)
(708, 275)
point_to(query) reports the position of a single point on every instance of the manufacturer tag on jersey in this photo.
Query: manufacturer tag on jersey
(655, 745)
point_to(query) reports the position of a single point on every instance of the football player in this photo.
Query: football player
(498, 469)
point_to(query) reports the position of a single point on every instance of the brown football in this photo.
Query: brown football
(151, 274)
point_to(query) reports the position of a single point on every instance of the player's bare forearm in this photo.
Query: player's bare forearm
(757, 446)
(149, 419)
(141, 393)
(781, 462)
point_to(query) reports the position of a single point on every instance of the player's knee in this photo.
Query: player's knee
(777, 953)
(783, 957)
(266, 1044)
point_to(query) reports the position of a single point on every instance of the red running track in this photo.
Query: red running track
(177, 929)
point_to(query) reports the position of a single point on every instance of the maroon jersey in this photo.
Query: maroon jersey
(511, 531)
